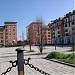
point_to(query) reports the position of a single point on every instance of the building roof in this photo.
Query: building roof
(33, 23)
(10, 22)
(1, 28)
(36, 22)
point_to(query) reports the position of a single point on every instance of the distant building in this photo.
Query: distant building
(57, 31)
(2, 35)
(8, 33)
(37, 33)
(69, 26)
(63, 29)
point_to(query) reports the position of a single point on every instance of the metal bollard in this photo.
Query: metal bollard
(20, 59)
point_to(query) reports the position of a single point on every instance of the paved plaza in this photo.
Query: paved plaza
(52, 68)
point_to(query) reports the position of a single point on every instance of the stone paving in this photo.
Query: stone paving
(53, 68)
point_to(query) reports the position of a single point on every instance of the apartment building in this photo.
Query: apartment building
(37, 33)
(63, 29)
(72, 24)
(69, 26)
(2, 35)
(8, 33)
(56, 29)
(51, 32)
(59, 31)
(48, 35)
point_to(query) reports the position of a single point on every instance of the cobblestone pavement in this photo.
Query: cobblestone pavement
(53, 68)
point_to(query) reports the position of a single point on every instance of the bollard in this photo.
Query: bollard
(20, 61)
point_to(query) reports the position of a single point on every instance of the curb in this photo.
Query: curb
(72, 65)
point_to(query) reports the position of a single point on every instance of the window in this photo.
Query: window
(48, 32)
(58, 27)
(5, 26)
(66, 30)
(1, 41)
(48, 38)
(66, 34)
(9, 33)
(58, 35)
(66, 19)
(35, 42)
(1, 37)
(69, 24)
(1, 33)
(48, 41)
(58, 32)
(6, 33)
(66, 25)
(34, 26)
(14, 33)
(48, 35)
(13, 29)
(72, 23)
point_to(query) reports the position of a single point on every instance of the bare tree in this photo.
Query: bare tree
(30, 39)
(40, 32)
(71, 35)
(23, 39)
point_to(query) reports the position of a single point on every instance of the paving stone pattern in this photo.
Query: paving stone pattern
(53, 68)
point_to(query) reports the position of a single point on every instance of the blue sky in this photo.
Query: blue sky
(25, 11)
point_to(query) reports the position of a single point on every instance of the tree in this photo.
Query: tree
(30, 38)
(23, 39)
(40, 32)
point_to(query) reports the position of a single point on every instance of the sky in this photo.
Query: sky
(26, 11)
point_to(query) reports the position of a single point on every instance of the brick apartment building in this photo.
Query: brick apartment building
(8, 33)
(38, 33)
(2, 35)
